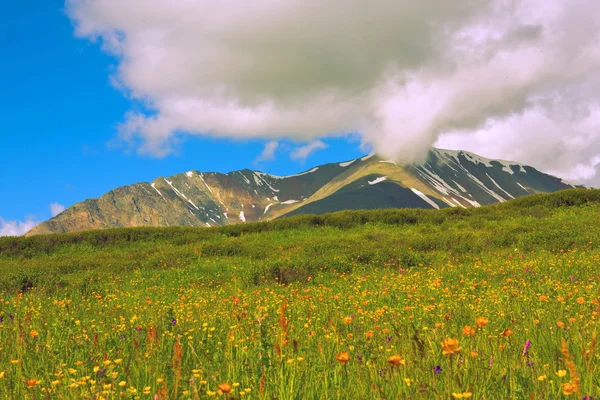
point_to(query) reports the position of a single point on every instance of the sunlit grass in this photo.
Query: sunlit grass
(323, 313)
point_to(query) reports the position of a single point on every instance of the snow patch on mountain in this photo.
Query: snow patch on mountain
(424, 197)
(376, 181)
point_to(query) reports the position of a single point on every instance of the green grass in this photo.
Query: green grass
(267, 307)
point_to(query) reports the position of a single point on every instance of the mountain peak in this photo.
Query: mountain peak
(448, 178)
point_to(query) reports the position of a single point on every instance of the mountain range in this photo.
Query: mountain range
(446, 179)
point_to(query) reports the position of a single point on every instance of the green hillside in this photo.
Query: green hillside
(312, 306)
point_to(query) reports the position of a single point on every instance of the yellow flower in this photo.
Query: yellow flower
(561, 373)
(542, 378)
(408, 381)
(450, 346)
(464, 395)
(210, 394)
(2, 374)
(122, 383)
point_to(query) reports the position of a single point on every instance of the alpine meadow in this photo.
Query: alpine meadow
(300, 200)
(495, 302)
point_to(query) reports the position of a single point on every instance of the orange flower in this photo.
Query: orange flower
(474, 353)
(468, 331)
(560, 324)
(31, 383)
(348, 320)
(507, 332)
(450, 346)
(343, 357)
(481, 321)
(544, 298)
(580, 300)
(34, 334)
(369, 334)
(569, 388)
(396, 360)
(225, 388)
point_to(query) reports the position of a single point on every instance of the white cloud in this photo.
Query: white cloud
(17, 228)
(268, 153)
(56, 208)
(400, 72)
(302, 153)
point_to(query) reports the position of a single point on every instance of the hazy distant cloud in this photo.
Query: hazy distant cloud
(402, 73)
(302, 153)
(268, 153)
(56, 208)
(17, 228)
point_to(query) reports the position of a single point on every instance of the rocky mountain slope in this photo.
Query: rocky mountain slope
(447, 179)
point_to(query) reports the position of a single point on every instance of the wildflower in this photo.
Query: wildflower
(2, 374)
(450, 346)
(369, 334)
(348, 320)
(343, 357)
(542, 378)
(569, 388)
(122, 383)
(560, 324)
(474, 353)
(507, 332)
(32, 382)
(437, 370)
(225, 388)
(526, 348)
(408, 381)
(34, 334)
(580, 300)
(481, 321)
(561, 373)
(464, 395)
(396, 360)
(468, 331)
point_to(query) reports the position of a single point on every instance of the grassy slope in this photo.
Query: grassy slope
(408, 278)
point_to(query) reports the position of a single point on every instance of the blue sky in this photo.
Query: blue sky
(60, 114)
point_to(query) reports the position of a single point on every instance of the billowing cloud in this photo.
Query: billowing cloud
(303, 152)
(268, 153)
(56, 208)
(494, 76)
(17, 228)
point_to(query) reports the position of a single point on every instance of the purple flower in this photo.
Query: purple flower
(388, 339)
(437, 370)
(1, 319)
(491, 361)
(174, 321)
(526, 348)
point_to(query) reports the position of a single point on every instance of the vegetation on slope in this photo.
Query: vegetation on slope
(354, 304)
